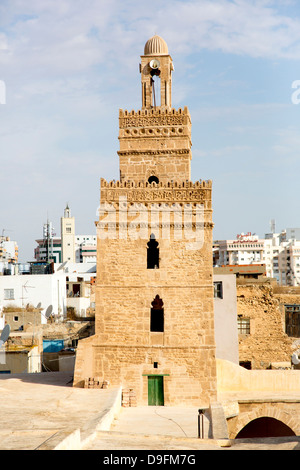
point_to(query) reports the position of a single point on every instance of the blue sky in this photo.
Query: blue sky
(69, 65)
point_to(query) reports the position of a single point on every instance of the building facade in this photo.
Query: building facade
(154, 291)
(225, 307)
(245, 249)
(9, 253)
(40, 289)
(279, 252)
(85, 248)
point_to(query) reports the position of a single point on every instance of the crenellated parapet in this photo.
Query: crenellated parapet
(145, 184)
(154, 117)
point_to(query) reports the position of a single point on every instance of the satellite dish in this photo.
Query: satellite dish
(39, 305)
(48, 311)
(295, 359)
(62, 265)
(154, 64)
(4, 335)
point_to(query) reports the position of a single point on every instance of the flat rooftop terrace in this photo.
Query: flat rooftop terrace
(41, 411)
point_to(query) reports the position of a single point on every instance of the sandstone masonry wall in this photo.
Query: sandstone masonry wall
(267, 342)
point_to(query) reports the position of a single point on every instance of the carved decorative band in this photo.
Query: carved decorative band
(178, 226)
(156, 195)
(146, 121)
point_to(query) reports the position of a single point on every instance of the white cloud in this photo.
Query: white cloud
(68, 65)
(254, 28)
(44, 42)
(69, 36)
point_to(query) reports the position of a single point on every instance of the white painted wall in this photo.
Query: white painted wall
(80, 304)
(46, 289)
(74, 270)
(226, 330)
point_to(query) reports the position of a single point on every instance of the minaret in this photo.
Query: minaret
(68, 236)
(154, 321)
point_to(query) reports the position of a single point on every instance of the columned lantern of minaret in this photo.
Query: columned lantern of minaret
(156, 67)
(155, 141)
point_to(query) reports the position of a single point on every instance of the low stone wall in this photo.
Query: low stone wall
(247, 395)
(77, 439)
(234, 378)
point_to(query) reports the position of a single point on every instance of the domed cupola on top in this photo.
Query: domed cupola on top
(156, 46)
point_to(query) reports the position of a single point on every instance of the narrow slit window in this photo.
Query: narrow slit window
(166, 94)
(145, 94)
(152, 253)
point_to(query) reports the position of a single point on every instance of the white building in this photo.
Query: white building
(85, 248)
(9, 253)
(279, 252)
(74, 270)
(225, 308)
(45, 290)
(79, 277)
(54, 250)
(245, 249)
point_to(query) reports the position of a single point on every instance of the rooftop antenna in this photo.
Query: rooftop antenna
(5, 230)
(272, 225)
(25, 287)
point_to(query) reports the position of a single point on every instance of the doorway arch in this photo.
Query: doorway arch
(265, 427)
(285, 416)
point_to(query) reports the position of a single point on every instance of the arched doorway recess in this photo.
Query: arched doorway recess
(265, 427)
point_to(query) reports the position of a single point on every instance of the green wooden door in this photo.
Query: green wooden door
(155, 390)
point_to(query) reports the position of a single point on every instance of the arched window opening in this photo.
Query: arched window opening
(153, 179)
(156, 93)
(152, 253)
(157, 315)
(265, 427)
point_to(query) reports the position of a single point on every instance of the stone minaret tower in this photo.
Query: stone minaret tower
(154, 294)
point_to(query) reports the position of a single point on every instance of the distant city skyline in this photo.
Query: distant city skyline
(67, 67)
